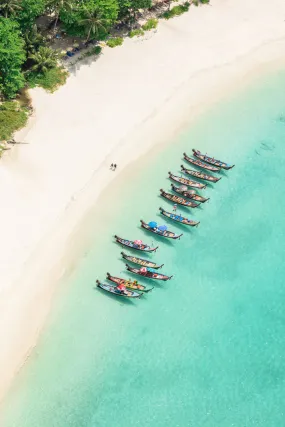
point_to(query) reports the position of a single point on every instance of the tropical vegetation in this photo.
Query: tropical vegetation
(176, 10)
(12, 118)
(151, 24)
(116, 41)
(26, 56)
(136, 33)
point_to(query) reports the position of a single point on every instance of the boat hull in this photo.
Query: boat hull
(200, 164)
(185, 181)
(112, 290)
(179, 219)
(127, 283)
(178, 200)
(211, 160)
(141, 261)
(189, 195)
(200, 175)
(148, 274)
(131, 245)
(166, 234)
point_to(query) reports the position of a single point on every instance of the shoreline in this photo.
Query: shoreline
(199, 89)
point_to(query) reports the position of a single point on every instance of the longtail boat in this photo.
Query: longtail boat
(147, 272)
(138, 245)
(134, 285)
(186, 181)
(141, 261)
(201, 164)
(211, 160)
(115, 291)
(190, 194)
(162, 233)
(179, 218)
(200, 175)
(178, 200)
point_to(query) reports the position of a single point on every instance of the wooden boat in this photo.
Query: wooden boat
(166, 233)
(211, 160)
(186, 181)
(200, 175)
(113, 290)
(135, 286)
(179, 218)
(141, 261)
(179, 200)
(189, 194)
(201, 164)
(145, 272)
(136, 246)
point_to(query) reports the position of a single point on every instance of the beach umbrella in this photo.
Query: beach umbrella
(138, 242)
(152, 224)
(183, 188)
(162, 227)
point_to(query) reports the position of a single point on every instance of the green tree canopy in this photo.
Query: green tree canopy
(58, 6)
(78, 20)
(44, 59)
(30, 10)
(129, 7)
(33, 40)
(93, 23)
(12, 56)
(9, 7)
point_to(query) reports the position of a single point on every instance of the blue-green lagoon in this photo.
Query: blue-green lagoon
(205, 349)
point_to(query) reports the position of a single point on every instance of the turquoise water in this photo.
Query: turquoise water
(205, 349)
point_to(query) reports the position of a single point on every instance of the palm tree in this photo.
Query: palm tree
(44, 59)
(33, 40)
(57, 6)
(93, 22)
(9, 7)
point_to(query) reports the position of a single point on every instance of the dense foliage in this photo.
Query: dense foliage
(151, 24)
(136, 33)
(12, 117)
(117, 41)
(12, 57)
(130, 7)
(176, 11)
(26, 59)
(50, 80)
(23, 49)
(28, 12)
(90, 18)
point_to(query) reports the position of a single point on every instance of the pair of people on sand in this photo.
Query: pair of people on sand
(113, 166)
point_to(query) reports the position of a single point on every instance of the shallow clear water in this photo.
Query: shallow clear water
(205, 349)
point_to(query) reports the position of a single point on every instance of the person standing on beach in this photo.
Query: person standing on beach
(112, 166)
(115, 166)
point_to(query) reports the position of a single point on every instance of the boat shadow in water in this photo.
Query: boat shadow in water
(185, 229)
(162, 240)
(224, 173)
(120, 300)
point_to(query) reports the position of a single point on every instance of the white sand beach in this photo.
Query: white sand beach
(113, 110)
